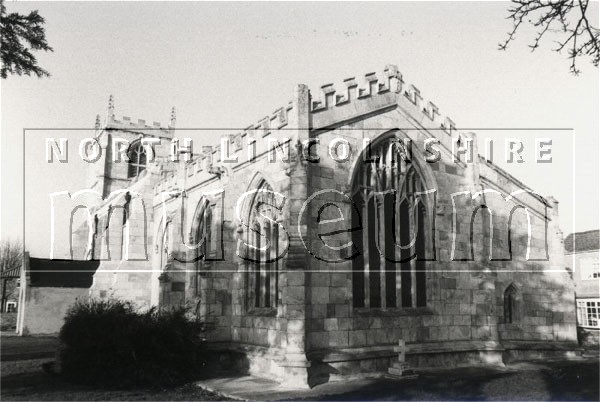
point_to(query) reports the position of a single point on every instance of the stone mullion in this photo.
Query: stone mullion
(366, 257)
(249, 275)
(424, 234)
(263, 265)
(413, 261)
(387, 226)
(256, 271)
(274, 236)
(413, 228)
(251, 265)
(380, 211)
(397, 250)
(386, 180)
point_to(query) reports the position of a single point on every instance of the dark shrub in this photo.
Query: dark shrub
(109, 342)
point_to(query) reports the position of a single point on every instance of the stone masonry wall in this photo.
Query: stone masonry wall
(464, 298)
(315, 319)
(223, 293)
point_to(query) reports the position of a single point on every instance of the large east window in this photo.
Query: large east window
(390, 270)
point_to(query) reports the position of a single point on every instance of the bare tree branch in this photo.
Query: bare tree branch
(565, 17)
(11, 256)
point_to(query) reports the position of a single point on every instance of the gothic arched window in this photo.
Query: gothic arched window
(137, 159)
(263, 233)
(511, 304)
(389, 271)
(203, 239)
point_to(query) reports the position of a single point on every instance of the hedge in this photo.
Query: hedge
(111, 342)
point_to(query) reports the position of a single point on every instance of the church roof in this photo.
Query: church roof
(583, 241)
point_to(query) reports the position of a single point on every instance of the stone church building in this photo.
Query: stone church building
(347, 220)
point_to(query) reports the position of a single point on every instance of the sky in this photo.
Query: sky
(227, 65)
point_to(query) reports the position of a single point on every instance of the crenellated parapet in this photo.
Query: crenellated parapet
(126, 123)
(201, 164)
(199, 167)
(215, 162)
(372, 93)
(242, 146)
(169, 181)
(373, 85)
(278, 119)
(333, 104)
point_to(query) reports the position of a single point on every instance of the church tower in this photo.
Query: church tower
(124, 157)
(135, 156)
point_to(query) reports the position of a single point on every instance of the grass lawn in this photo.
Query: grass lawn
(46, 387)
(566, 380)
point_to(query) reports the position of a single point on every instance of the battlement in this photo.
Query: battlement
(126, 123)
(274, 121)
(168, 182)
(206, 164)
(374, 90)
(372, 85)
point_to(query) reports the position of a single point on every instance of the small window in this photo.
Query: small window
(588, 314)
(137, 159)
(511, 304)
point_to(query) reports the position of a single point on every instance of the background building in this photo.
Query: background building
(48, 288)
(582, 252)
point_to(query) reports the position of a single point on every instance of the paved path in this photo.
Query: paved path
(558, 380)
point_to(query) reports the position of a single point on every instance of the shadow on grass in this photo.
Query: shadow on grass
(565, 380)
(40, 385)
(45, 383)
